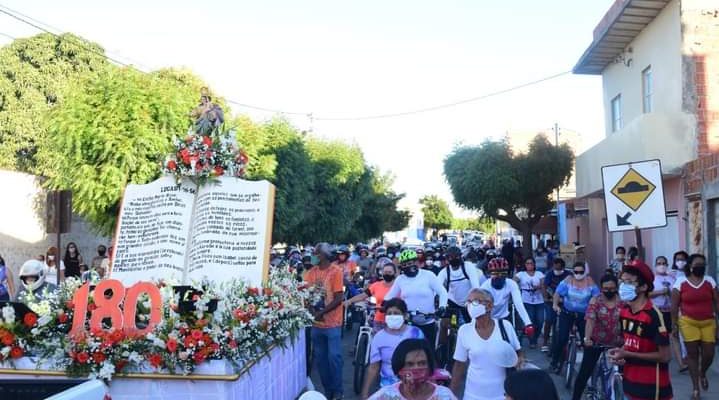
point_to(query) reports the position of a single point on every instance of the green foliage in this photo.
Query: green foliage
(436, 212)
(35, 73)
(113, 129)
(486, 225)
(514, 188)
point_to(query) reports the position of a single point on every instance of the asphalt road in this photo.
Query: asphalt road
(680, 382)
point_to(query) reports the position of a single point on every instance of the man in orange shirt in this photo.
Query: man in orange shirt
(326, 280)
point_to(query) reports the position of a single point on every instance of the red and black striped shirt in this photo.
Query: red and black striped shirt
(644, 332)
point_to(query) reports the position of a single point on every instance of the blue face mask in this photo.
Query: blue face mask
(627, 291)
(498, 282)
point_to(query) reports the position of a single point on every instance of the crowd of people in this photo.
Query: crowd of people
(46, 271)
(635, 314)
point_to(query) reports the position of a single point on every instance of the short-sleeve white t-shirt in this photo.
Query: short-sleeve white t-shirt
(485, 379)
(529, 285)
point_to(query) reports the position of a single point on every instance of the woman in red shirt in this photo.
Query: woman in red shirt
(696, 299)
(377, 290)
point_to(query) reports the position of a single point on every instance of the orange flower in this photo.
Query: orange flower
(7, 339)
(207, 141)
(98, 357)
(16, 352)
(30, 319)
(171, 165)
(155, 360)
(82, 357)
(171, 345)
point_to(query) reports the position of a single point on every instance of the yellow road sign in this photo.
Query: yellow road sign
(633, 189)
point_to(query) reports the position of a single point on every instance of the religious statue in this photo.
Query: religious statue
(207, 114)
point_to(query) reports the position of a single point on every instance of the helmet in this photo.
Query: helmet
(33, 268)
(293, 250)
(380, 251)
(498, 264)
(342, 249)
(453, 252)
(408, 256)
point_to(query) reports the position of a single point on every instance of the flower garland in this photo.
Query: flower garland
(246, 323)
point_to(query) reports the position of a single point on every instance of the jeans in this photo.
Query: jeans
(589, 361)
(566, 321)
(536, 314)
(327, 354)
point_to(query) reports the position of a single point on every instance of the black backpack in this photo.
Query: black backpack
(464, 272)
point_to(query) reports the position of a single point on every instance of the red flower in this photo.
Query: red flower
(62, 318)
(69, 304)
(207, 141)
(196, 334)
(253, 291)
(16, 352)
(219, 170)
(82, 357)
(189, 342)
(116, 336)
(184, 154)
(155, 360)
(214, 347)
(199, 357)
(171, 345)
(233, 344)
(30, 319)
(98, 357)
(171, 165)
(120, 365)
(7, 339)
(267, 291)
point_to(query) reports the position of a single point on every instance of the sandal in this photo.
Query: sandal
(704, 382)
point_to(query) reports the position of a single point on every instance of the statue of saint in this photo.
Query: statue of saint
(207, 114)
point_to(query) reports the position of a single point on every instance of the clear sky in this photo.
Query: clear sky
(338, 58)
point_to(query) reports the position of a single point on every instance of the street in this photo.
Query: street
(681, 382)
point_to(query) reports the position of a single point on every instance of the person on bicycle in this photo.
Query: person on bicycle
(602, 330)
(551, 282)
(348, 267)
(575, 292)
(502, 290)
(378, 291)
(458, 280)
(385, 342)
(418, 288)
(531, 282)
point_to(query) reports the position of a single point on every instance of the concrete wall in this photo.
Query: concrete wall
(658, 46)
(22, 231)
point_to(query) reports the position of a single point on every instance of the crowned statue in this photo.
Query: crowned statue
(208, 115)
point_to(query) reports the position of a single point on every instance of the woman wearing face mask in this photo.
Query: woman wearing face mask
(662, 298)
(378, 290)
(575, 292)
(695, 298)
(418, 287)
(413, 363)
(72, 260)
(679, 264)
(385, 342)
(51, 270)
(478, 351)
(551, 282)
(502, 289)
(602, 329)
(7, 286)
(531, 282)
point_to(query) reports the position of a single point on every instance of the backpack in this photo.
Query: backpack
(503, 331)
(464, 272)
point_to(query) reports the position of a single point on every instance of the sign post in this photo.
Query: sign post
(59, 218)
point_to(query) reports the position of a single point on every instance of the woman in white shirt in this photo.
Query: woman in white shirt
(481, 351)
(531, 282)
(51, 270)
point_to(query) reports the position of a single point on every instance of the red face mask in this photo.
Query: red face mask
(414, 376)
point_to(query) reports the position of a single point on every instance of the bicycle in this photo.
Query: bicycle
(606, 380)
(447, 340)
(362, 345)
(417, 313)
(571, 356)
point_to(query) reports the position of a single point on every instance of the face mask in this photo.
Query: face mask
(388, 277)
(428, 263)
(558, 272)
(681, 264)
(50, 258)
(414, 376)
(627, 292)
(476, 311)
(699, 270)
(621, 257)
(661, 269)
(411, 271)
(315, 260)
(498, 282)
(609, 294)
(394, 321)
(579, 277)
(455, 262)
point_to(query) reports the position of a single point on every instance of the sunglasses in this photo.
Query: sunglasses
(576, 271)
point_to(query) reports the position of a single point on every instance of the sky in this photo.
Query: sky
(346, 59)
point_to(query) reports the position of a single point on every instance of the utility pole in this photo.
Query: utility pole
(556, 143)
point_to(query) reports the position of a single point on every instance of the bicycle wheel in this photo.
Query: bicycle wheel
(571, 361)
(359, 363)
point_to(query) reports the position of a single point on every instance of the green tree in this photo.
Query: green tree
(34, 76)
(113, 129)
(379, 211)
(509, 187)
(436, 213)
(481, 224)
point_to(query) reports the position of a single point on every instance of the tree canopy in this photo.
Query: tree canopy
(482, 224)
(436, 212)
(502, 185)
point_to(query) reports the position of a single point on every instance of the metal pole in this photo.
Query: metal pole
(58, 217)
(556, 144)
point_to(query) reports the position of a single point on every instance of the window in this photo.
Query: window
(617, 113)
(647, 89)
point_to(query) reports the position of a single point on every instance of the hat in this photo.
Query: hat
(642, 269)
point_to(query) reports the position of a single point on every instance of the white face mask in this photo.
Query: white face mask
(50, 258)
(681, 264)
(476, 311)
(394, 321)
(661, 269)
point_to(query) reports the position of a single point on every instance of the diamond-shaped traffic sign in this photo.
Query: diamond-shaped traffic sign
(633, 189)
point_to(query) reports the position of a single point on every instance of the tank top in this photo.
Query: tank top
(72, 267)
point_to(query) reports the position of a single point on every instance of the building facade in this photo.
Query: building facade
(659, 63)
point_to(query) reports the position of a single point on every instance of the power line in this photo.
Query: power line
(8, 36)
(36, 24)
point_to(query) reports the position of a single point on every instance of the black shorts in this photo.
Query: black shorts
(667, 320)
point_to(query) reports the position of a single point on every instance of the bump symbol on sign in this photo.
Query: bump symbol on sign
(633, 189)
